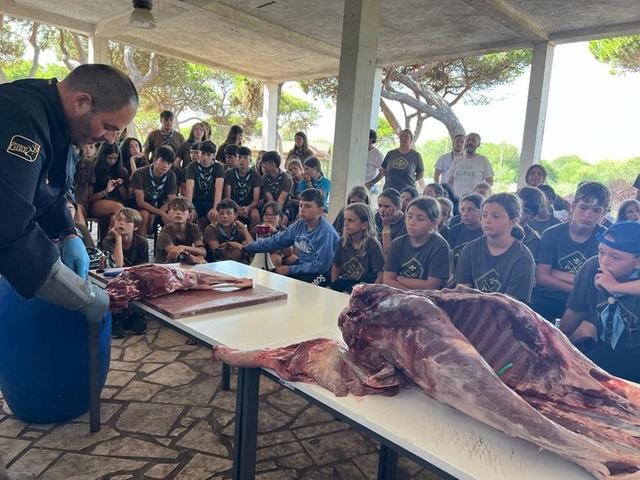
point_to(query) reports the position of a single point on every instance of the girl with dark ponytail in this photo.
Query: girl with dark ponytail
(498, 261)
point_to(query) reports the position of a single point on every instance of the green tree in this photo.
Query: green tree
(622, 54)
(432, 89)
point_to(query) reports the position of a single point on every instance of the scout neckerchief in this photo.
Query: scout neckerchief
(271, 185)
(315, 183)
(611, 317)
(205, 178)
(156, 188)
(231, 237)
(167, 137)
(242, 185)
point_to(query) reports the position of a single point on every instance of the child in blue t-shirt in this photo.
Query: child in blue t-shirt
(314, 240)
(314, 178)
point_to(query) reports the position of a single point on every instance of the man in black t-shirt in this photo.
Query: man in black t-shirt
(564, 248)
(605, 303)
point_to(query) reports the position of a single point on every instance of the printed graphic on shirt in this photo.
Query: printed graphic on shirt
(458, 251)
(400, 163)
(571, 263)
(489, 282)
(304, 246)
(24, 148)
(353, 269)
(411, 269)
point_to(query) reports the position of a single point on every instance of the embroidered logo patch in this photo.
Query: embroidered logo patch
(23, 148)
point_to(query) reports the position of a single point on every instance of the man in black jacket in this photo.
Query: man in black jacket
(41, 122)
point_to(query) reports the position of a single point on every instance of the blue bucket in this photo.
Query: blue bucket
(44, 358)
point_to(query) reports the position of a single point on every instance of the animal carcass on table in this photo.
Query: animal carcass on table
(450, 344)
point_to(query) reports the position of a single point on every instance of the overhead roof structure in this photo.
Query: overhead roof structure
(278, 40)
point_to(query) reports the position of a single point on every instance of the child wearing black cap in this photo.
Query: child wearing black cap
(603, 311)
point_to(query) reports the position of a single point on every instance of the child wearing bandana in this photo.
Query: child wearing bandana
(242, 185)
(226, 237)
(603, 311)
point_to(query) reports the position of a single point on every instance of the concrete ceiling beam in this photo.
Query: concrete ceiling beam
(17, 10)
(508, 16)
(597, 32)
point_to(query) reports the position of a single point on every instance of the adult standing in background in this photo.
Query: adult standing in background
(374, 160)
(441, 170)
(469, 170)
(165, 135)
(234, 137)
(402, 167)
(300, 148)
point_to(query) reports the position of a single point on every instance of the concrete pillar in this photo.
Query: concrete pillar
(537, 100)
(270, 102)
(98, 50)
(375, 101)
(355, 93)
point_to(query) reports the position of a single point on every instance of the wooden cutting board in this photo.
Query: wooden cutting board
(196, 302)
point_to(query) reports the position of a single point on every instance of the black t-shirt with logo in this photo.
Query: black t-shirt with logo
(398, 228)
(156, 189)
(401, 169)
(511, 272)
(458, 237)
(204, 180)
(242, 185)
(531, 240)
(430, 259)
(360, 265)
(587, 298)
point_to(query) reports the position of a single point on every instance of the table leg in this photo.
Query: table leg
(246, 435)
(94, 376)
(387, 463)
(226, 377)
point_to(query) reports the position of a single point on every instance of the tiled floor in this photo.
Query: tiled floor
(165, 417)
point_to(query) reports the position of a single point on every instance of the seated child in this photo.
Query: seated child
(294, 167)
(389, 218)
(226, 237)
(205, 182)
(127, 249)
(313, 238)
(483, 189)
(469, 227)
(81, 229)
(544, 219)
(276, 184)
(419, 259)
(359, 256)
(314, 178)
(532, 202)
(180, 240)
(498, 261)
(446, 211)
(272, 217)
(153, 187)
(629, 210)
(566, 247)
(407, 195)
(433, 190)
(242, 185)
(357, 194)
(604, 305)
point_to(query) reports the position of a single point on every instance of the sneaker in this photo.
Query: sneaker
(117, 327)
(138, 323)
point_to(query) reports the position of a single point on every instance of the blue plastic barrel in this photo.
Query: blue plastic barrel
(44, 358)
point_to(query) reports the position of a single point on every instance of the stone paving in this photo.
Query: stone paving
(165, 417)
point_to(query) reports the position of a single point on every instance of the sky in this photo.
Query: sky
(590, 113)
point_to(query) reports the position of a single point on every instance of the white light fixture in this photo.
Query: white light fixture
(141, 16)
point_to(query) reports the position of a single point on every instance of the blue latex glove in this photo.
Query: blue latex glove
(74, 256)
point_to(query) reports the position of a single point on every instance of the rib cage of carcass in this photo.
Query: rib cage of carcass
(450, 344)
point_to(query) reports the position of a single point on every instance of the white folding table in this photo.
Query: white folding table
(410, 424)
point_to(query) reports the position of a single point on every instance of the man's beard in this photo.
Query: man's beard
(80, 130)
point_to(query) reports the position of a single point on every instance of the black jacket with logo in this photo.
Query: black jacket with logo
(36, 169)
